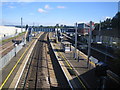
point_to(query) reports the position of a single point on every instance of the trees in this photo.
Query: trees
(110, 23)
(116, 21)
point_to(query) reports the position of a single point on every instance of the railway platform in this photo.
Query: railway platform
(79, 76)
(34, 67)
(51, 68)
(10, 74)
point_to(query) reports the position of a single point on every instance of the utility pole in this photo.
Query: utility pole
(33, 23)
(89, 44)
(56, 31)
(75, 41)
(21, 25)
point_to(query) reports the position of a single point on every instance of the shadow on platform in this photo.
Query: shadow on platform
(43, 41)
(58, 50)
(91, 81)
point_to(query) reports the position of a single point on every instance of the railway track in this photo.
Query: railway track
(42, 70)
(101, 57)
(34, 66)
(8, 46)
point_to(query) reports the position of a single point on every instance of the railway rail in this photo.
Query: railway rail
(8, 46)
(79, 83)
(101, 57)
(33, 67)
(95, 49)
(39, 72)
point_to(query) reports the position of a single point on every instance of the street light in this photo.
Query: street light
(21, 25)
(89, 43)
(75, 41)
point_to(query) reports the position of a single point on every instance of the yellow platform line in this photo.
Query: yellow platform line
(14, 67)
(72, 69)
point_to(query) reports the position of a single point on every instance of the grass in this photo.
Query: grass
(6, 40)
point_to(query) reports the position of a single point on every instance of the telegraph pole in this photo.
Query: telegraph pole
(75, 41)
(89, 44)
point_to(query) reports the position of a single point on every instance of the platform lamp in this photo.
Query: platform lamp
(75, 41)
(89, 44)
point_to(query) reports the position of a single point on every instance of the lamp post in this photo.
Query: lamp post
(75, 41)
(21, 25)
(89, 43)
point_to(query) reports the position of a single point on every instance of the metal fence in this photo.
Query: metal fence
(5, 59)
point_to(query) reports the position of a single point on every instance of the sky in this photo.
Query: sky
(52, 13)
(59, 0)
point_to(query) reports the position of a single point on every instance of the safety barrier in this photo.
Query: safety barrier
(5, 59)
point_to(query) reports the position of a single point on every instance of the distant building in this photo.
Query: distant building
(83, 28)
(68, 29)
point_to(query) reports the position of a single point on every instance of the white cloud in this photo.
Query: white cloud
(62, 7)
(41, 10)
(11, 7)
(47, 7)
(108, 17)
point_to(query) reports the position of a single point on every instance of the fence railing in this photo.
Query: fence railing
(5, 59)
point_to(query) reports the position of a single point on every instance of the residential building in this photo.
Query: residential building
(83, 29)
